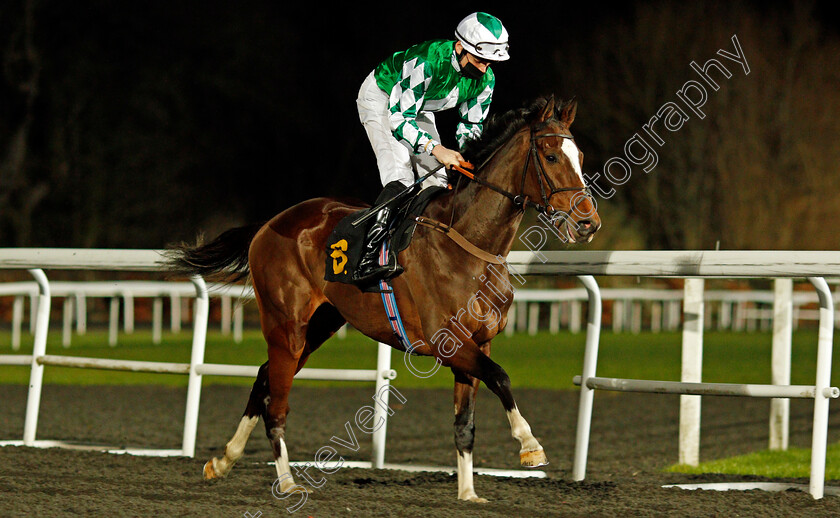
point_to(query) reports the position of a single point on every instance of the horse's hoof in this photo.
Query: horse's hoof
(209, 472)
(533, 459)
(474, 498)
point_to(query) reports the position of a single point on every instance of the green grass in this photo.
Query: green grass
(541, 361)
(793, 463)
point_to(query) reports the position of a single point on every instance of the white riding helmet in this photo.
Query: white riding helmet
(483, 35)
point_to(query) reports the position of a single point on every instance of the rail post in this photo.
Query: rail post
(780, 363)
(202, 311)
(822, 388)
(590, 362)
(692, 368)
(36, 376)
(384, 374)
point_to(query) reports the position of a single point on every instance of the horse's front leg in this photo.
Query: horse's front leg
(531, 453)
(468, 358)
(465, 392)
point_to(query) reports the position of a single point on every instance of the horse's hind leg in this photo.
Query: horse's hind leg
(322, 325)
(283, 359)
(287, 353)
(219, 467)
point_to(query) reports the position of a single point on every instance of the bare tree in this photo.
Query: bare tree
(759, 170)
(20, 192)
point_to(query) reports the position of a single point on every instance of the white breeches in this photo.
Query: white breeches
(395, 160)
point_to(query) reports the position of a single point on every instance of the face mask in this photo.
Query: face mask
(469, 70)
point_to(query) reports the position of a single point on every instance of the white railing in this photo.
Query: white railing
(737, 310)
(692, 265)
(36, 260)
(696, 265)
(75, 295)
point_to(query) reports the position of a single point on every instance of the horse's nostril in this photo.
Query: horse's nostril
(586, 228)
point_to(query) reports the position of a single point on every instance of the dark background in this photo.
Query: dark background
(136, 124)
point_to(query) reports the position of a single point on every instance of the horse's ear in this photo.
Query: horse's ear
(548, 111)
(568, 112)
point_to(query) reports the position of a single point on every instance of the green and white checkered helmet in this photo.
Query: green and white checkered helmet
(483, 35)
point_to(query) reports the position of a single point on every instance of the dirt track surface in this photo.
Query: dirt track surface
(633, 437)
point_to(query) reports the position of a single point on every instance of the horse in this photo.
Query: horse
(452, 296)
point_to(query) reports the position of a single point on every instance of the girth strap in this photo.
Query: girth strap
(389, 300)
(459, 239)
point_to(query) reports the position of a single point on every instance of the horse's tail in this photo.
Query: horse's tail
(224, 258)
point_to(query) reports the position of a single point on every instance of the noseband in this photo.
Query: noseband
(547, 188)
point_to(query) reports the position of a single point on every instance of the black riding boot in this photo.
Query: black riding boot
(369, 269)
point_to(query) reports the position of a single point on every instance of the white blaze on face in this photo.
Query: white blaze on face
(571, 151)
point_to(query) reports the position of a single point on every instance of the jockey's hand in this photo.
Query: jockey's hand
(447, 157)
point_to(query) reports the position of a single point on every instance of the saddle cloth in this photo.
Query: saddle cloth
(346, 243)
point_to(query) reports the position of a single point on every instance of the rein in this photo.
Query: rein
(542, 177)
(519, 200)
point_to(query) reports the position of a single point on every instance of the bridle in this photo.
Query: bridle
(547, 188)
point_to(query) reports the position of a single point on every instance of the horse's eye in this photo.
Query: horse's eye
(551, 158)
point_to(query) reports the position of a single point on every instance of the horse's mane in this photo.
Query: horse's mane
(499, 129)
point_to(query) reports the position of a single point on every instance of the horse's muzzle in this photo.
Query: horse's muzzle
(582, 231)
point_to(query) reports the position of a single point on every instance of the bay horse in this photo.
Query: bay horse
(436, 293)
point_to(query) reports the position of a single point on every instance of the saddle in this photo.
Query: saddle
(346, 241)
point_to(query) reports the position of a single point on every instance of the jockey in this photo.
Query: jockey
(397, 103)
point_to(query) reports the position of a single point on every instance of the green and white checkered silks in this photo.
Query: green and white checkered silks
(473, 112)
(426, 78)
(406, 100)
